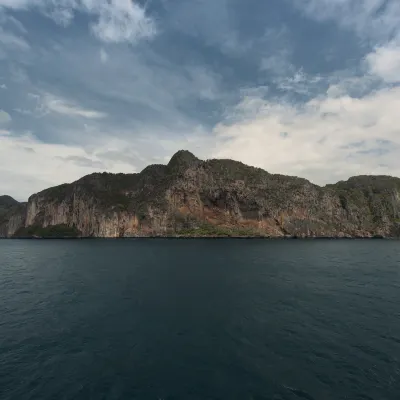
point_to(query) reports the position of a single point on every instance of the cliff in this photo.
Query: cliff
(12, 215)
(6, 204)
(191, 197)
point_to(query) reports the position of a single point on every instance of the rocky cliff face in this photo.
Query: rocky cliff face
(12, 215)
(191, 197)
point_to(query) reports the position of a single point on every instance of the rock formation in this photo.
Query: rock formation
(12, 216)
(191, 197)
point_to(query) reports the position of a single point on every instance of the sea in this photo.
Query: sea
(169, 319)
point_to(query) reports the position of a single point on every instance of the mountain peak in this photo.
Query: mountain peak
(6, 204)
(182, 159)
(7, 200)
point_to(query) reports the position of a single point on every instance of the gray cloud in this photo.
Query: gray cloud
(374, 19)
(12, 41)
(4, 117)
(83, 162)
(116, 21)
(127, 156)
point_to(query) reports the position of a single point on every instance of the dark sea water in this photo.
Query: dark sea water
(199, 319)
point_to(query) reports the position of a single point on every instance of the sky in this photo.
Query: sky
(300, 87)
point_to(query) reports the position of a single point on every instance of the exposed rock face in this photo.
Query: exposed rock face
(12, 215)
(191, 197)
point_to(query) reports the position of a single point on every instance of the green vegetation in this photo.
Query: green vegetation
(6, 204)
(108, 189)
(181, 160)
(179, 197)
(56, 193)
(368, 184)
(217, 231)
(52, 231)
(235, 170)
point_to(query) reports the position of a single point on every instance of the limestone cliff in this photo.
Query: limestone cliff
(190, 197)
(12, 215)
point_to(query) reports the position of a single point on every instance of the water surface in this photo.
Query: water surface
(199, 319)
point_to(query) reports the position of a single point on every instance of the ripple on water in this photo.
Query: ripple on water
(199, 319)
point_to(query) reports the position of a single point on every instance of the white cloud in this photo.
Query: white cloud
(14, 3)
(325, 140)
(384, 62)
(45, 169)
(3, 86)
(116, 20)
(335, 135)
(51, 103)
(120, 20)
(45, 165)
(62, 15)
(45, 103)
(298, 83)
(356, 86)
(24, 111)
(317, 140)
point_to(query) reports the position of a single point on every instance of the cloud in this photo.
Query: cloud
(82, 161)
(103, 56)
(12, 41)
(3, 86)
(277, 64)
(384, 62)
(216, 81)
(45, 104)
(14, 3)
(16, 23)
(120, 20)
(51, 103)
(18, 74)
(45, 165)
(211, 21)
(24, 111)
(202, 83)
(299, 83)
(62, 15)
(318, 136)
(278, 61)
(374, 19)
(4, 117)
(127, 155)
(353, 85)
(116, 20)
(39, 169)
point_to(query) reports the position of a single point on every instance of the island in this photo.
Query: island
(190, 197)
